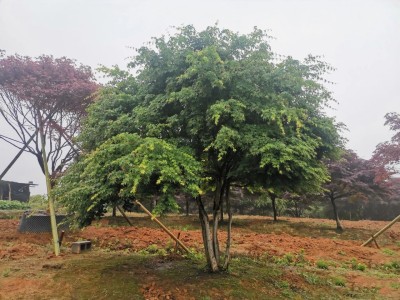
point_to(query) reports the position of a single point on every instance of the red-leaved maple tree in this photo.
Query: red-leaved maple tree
(47, 91)
(353, 177)
(387, 154)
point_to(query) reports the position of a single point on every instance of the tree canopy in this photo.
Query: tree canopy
(125, 167)
(242, 116)
(387, 154)
(52, 91)
(352, 177)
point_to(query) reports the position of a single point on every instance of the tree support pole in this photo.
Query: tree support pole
(124, 215)
(18, 155)
(162, 226)
(53, 221)
(372, 238)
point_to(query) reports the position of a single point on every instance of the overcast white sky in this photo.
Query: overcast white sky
(359, 38)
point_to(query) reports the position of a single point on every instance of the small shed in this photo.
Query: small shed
(10, 190)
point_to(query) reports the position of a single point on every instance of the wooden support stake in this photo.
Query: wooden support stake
(176, 245)
(162, 226)
(376, 244)
(61, 237)
(381, 231)
(124, 215)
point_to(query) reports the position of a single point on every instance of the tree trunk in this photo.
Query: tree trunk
(9, 191)
(187, 206)
(53, 221)
(221, 217)
(212, 262)
(273, 198)
(297, 209)
(229, 233)
(114, 211)
(217, 202)
(336, 215)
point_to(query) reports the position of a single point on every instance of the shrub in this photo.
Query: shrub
(12, 205)
(38, 202)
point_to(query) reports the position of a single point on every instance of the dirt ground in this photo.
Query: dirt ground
(257, 237)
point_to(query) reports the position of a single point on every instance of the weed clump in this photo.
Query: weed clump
(355, 265)
(339, 281)
(321, 264)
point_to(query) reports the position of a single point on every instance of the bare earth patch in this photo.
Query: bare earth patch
(28, 267)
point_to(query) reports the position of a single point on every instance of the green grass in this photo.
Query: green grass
(321, 264)
(124, 276)
(355, 265)
(312, 278)
(388, 252)
(339, 281)
(395, 286)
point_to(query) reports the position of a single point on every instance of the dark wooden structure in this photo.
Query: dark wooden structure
(10, 190)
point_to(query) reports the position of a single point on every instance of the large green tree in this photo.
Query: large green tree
(223, 99)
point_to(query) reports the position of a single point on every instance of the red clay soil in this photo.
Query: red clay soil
(254, 244)
(15, 246)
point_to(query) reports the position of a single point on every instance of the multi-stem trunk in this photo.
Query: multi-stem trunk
(210, 234)
(212, 262)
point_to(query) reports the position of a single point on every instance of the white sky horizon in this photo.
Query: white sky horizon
(361, 39)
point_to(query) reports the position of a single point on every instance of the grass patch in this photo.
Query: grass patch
(395, 285)
(355, 265)
(388, 252)
(137, 276)
(321, 264)
(312, 278)
(339, 281)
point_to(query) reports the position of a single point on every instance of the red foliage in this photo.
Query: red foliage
(387, 154)
(54, 90)
(46, 82)
(353, 175)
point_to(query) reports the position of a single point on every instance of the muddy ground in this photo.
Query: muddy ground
(29, 270)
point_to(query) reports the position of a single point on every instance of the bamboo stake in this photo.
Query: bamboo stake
(176, 245)
(381, 231)
(376, 244)
(26, 144)
(162, 226)
(124, 215)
